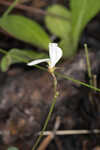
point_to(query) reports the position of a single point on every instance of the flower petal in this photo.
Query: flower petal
(55, 54)
(38, 61)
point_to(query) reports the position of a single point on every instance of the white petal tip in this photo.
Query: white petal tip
(29, 64)
(38, 61)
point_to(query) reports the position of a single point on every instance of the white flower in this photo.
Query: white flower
(55, 53)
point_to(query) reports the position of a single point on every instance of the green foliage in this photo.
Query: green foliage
(82, 12)
(25, 29)
(66, 45)
(58, 24)
(18, 56)
(65, 24)
(70, 28)
(12, 148)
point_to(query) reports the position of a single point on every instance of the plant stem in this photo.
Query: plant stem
(33, 10)
(71, 79)
(10, 8)
(88, 64)
(77, 81)
(56, 93)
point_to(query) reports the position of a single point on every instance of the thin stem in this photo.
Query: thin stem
(71, 79)
(56, 93)
(34, 10)
(89, 72)
(55, 82)
(10, 8)
(77, 81)
(88, 64)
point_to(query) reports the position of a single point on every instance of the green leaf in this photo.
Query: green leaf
(59, 23)
(12, 148)
(18, 56)
(25, 29)
(82, 12)
(67, 47)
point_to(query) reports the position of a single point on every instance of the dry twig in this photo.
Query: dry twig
(72, 132)
(51, 136)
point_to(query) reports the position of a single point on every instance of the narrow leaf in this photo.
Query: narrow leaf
(25, 29)
(59, 23)
(18, 56)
